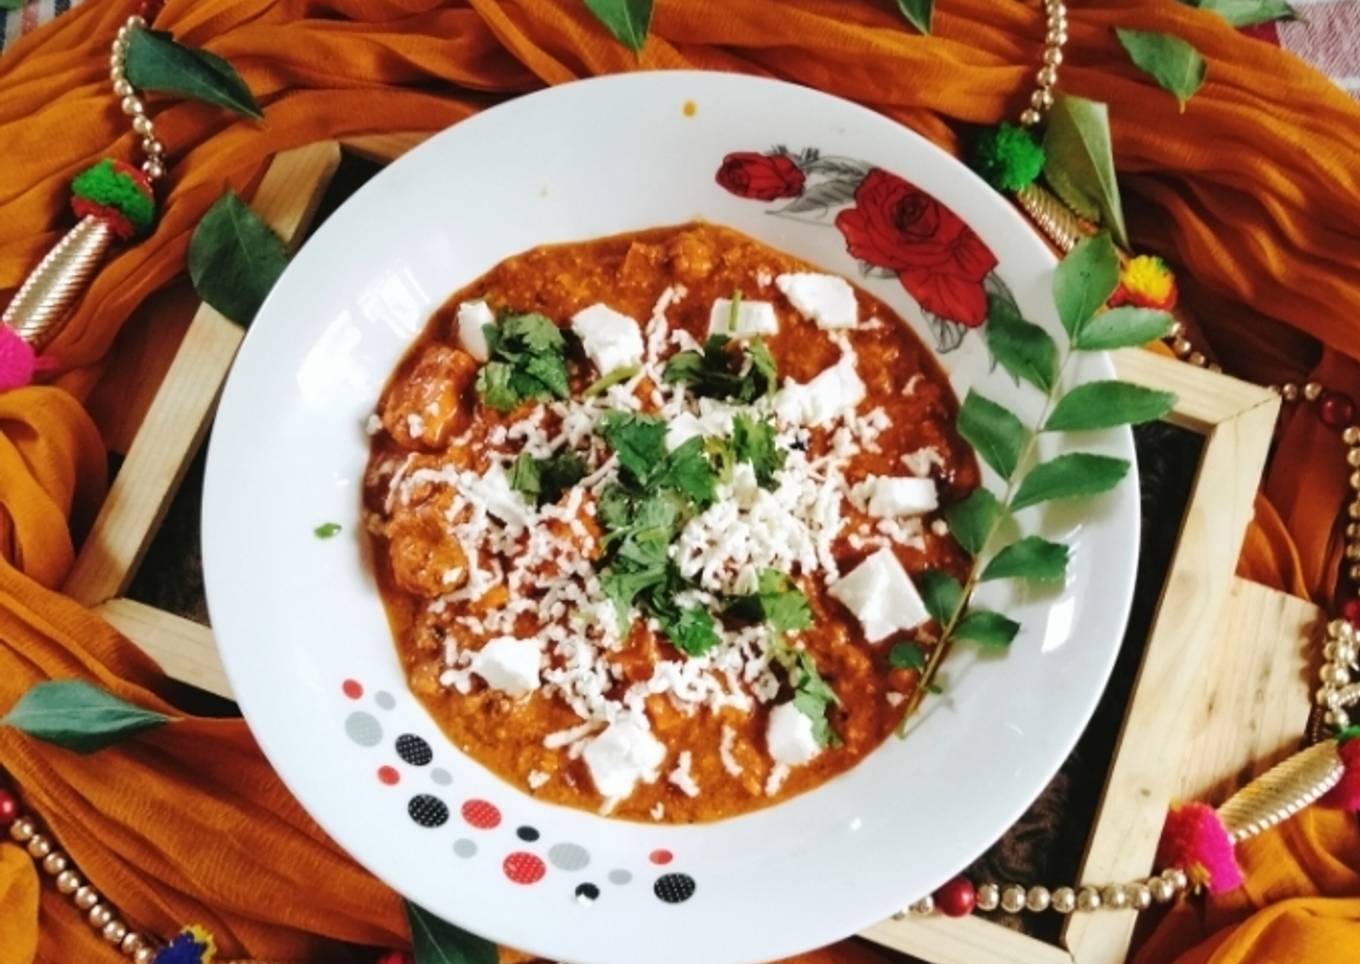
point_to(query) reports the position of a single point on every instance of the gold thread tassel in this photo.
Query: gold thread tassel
(1282, 791)
(1054, 218)
(42, 304)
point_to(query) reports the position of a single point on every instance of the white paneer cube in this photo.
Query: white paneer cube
(621, 756)
(789, 737)
(881, 595)
(611, 340)
(509, 665)
(886, 496)
(494, 491)
(716, 417)
(681, 429)
(836, 391)
(752, 318)
(823, 298)
(473, 316)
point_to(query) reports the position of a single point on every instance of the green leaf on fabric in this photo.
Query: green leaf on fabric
(79, 716)
(627, 20)
(1124, 327)
(1247, 13)
(998, 436)
(1032, 558)
(1105, 404)
(1084, 281)
(972, 519)
(156, 61)
(1069, 476)
(436, 941)
(986, 628)
(918, 13)
(1079, 163)
(1175, 64)
(327, 530)
(941, 593)
(1022, 347)
(235, 258)
(907, 656)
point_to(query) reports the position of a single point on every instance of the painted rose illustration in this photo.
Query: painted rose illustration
(762, 177)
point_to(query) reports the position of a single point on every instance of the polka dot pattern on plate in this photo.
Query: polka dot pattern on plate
(568, 856)
(587, 893)
(661, 857)
(414, 750)
(352, 688)
(482, 814)
(428, 811)
(674, 888)
(527, 834)
(385, 700)
(441, 776)
(620, 877)
(363, 728)
(524, 868)
(388, 776)
(465, 848)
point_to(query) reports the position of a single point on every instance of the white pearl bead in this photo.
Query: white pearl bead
(99, 915)
(1161, 889)
(122, 88)
(86, 897)
(1052, 56)
(1115, 896)
(54, 863)
(1013, 898)
(988, 897)
(1046, 77)
(1041, 100)
(143, 126)
(1038, 899)
(132, 943)
(39, 846)
(1323, 696)
(1329, 651)
(1176, 877)
(1088, 898)
(116, 61)
(1335, 675)
(137, 20)
(22, 830)
(1140, 896)
(1338, 718)
(145, 956)
(1064, 900)
(923, 907)
(1030, 117)
(152, 147)
(153, 170)
(1056, 37)
(123, 32)
(133, 106)
(68, 882)
(114, 931)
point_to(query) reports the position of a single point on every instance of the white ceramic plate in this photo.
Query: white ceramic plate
(302, 630)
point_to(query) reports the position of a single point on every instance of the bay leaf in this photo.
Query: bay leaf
(918, 13)
(1174, 63)
(436, 941)
(627, 20)
(1247, 13)
(1079, 162)
(78, 716)
(235, 258)
(156, 61)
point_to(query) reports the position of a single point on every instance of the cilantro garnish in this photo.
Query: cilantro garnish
(692, 631)
(687, 470)
(776, 601)
(812, 696)
(327, 530)
(719, 371)
(527, 361)
(640, 443)
(605, 382)
(753, 442)
(734, 311)
(544, 480)
(907, 656)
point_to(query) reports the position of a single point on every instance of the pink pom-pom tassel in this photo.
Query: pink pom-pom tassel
(1346, 794)
(18, 364)
(1195, 840)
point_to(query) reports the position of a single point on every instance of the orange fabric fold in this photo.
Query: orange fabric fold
(1251, 193)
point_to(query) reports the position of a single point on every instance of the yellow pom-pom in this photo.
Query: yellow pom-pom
(1146, 282)
(204, 940)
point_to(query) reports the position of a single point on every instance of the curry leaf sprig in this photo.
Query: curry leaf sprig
(1082, 286)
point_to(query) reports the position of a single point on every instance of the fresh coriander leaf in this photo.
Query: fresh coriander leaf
(719, 371)
(907, 656)
(1105, 404)
(549, 371)
(156, 61)
(493, 384)
(79, 716)
(761, 377)
(777, 601)
(972, 520)
(754, 442)
(1023, 348)
(1124, 327)
(436, 941)
(542, 481)
(1069, 476)
(526, 476)
(692, 633)
(1247, 13)
(527, 361)
(813, 697)
(235, 258)
(941, 593)
(622, 584)
(811, 682)
(638, 440)
(683, 367)
(530, 332)
(1079, 164)
(1030, 558)
(1084, 281)
(997, 435)
(687, 471)
(605, 382)
(627, 20)
(918, 13)
(986, 628)
(721, 455)
(734, 312)
(1175, 64)
(327, 530)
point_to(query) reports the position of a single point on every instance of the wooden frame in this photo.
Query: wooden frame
(1182, 734)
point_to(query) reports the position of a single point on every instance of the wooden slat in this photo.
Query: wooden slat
(963, 940)
(183, 648)
(384, 148)
(178, 419)
(1204, 399)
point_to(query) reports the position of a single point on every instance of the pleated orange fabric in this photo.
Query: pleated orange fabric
(1251, 193)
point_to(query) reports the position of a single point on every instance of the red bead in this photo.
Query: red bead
(1336, 410)
(9, 808)
(1350, 610)
(956, 898)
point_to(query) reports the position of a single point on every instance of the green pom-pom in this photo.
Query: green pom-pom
(1007, 157)
(119, 187)
(1348, 734)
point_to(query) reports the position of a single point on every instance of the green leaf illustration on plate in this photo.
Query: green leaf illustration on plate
(1175, 64)
(235, 258)
(627, 20)
(156, 61)
(1080, 163)
(78, 716)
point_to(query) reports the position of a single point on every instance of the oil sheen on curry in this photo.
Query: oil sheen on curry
(648, 513)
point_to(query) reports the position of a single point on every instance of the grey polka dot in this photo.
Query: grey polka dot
(619, 877)
(385, 699)
(363, 728)
(441, 776)
(465, 848)
(568, 856)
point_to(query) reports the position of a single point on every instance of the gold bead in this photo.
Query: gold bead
(1175, 330)
(1053, 56)
(68, 882)
(1353, 550)
(1311, 391)
(116, 62)
(86, 897)
(1338, 718)
(154, 170)
(1064, 900)
(132, 943)
(1353, 510)
(1323, 696)
(1289, 391)
(1088, 898)
(1215, 367)
(988, 897)
(1161, 889)
(1056, 38)
(1038, 899)
(1334, 675)
(1176, 877)
(1029, 117)
(54, 863)
(1182, 347)
(152, 147)
(122, 88)
(147, 955)
(1336, 627)
(22, 830)
(1013, 898)
(119, 47)
(114, 931)
(1140, 896)
(1351, 436)
(1114, 896)
(1354, 573)
(1046, 77)
(1041, 99)
(136, 20)
(923, 907)
(39, 846)
(143, 126)
(100, 914)
(133, 106)
(115, 72)
(1197, 359)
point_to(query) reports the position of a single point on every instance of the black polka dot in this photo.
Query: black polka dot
(587, 893)
(674, 888)
(527, 833)
(428, 811)
(414, 750)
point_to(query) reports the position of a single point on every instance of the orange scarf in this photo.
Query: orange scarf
(1252, 193)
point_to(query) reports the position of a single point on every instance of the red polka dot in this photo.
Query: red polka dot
(353, 688)
(388, 776)
(660, 856)
(524, 868)
(481, 814)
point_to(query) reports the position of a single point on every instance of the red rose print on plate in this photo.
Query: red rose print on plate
(762, 177)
